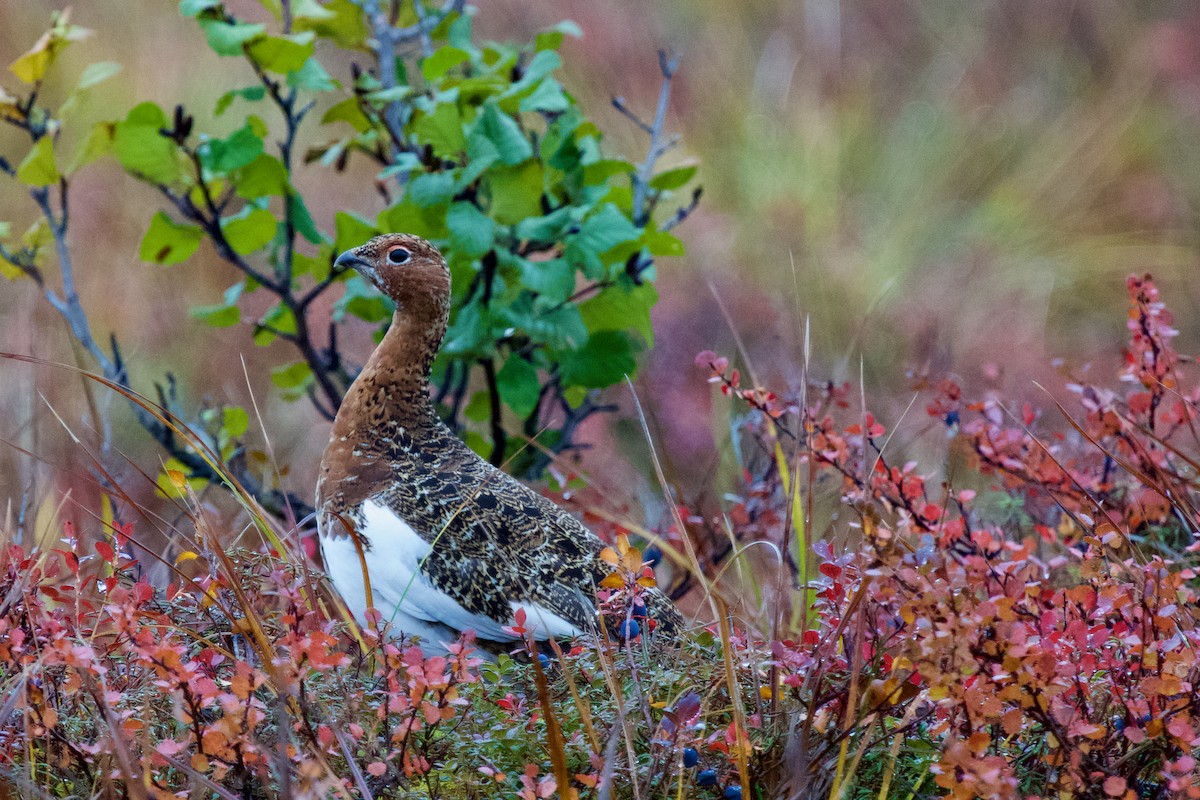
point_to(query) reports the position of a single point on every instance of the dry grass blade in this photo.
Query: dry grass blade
(581, 703)
(555, 743)
(735, 694)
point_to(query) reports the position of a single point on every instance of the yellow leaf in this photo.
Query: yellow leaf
(178, 479)
(609, 556)
(613, 581)
(622, 544)
(10, 271)
(38, 169)
(647, 581)
(10, 106)
(186, 555)
(32, 65)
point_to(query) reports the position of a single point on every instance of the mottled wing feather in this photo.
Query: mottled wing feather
(494, 540)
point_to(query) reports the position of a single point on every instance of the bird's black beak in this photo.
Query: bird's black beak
(351, 260)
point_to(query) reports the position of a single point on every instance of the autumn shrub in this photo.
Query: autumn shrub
(233, 681)
(1030, 631)
(1016, 620)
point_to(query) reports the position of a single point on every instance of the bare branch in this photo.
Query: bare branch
(386, 42)
(659, 143)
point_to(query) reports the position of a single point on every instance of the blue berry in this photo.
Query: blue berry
(690, 757)
(652, 555)
(733, 793)
(544, 660)
(630, 629)
(706, 777)
(639, 611)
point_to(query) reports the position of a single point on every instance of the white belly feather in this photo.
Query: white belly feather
(406, 597)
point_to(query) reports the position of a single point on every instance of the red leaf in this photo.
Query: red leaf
(106, 551)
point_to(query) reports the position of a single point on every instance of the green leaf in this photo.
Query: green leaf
(542, 64)
(292, 376)
(545, 229)
(600, 172)
(312, 77)
(263, 177)
(606, 357)
(311, 10)
(348, 111)
(381, 97)
(249, 230)
(516, 192)
(347, 26)
(619, 308)
(431, 189)
(278, 319)
(519, 386)
(661, 243)
(251, 93)
(548, 97)
(672, 178)
(97, 73)
(169, 242)
(442, 61)
(351, 231)
(223, 156)
(552, 38)
(605, 229)
(318, 266)
(471, 231)
(303, 220)
(479, 407)
(363, 301)
(428, 223)
(38, 169)
(554, 279)
(234, 421)
(459, 32)
(401, 163)
(470, 332)
(217, 316)
(227, 39)
(142, 150)
(441, 129)
(282, 54)
(504, 134)
(192, 8)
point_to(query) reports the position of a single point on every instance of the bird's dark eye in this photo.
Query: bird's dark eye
(398, 255)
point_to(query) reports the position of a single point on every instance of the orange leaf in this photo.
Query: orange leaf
(613, 581)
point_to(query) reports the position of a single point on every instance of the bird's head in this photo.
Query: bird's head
(406, 268)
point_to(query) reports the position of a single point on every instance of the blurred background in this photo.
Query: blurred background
(929, 189)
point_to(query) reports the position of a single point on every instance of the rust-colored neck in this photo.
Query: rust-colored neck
(393, 386)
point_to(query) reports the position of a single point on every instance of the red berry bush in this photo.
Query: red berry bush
(1020, 625)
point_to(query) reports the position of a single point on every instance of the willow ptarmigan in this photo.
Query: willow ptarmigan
(448, 541)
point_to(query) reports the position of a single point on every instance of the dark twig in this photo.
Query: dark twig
(499, 439)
